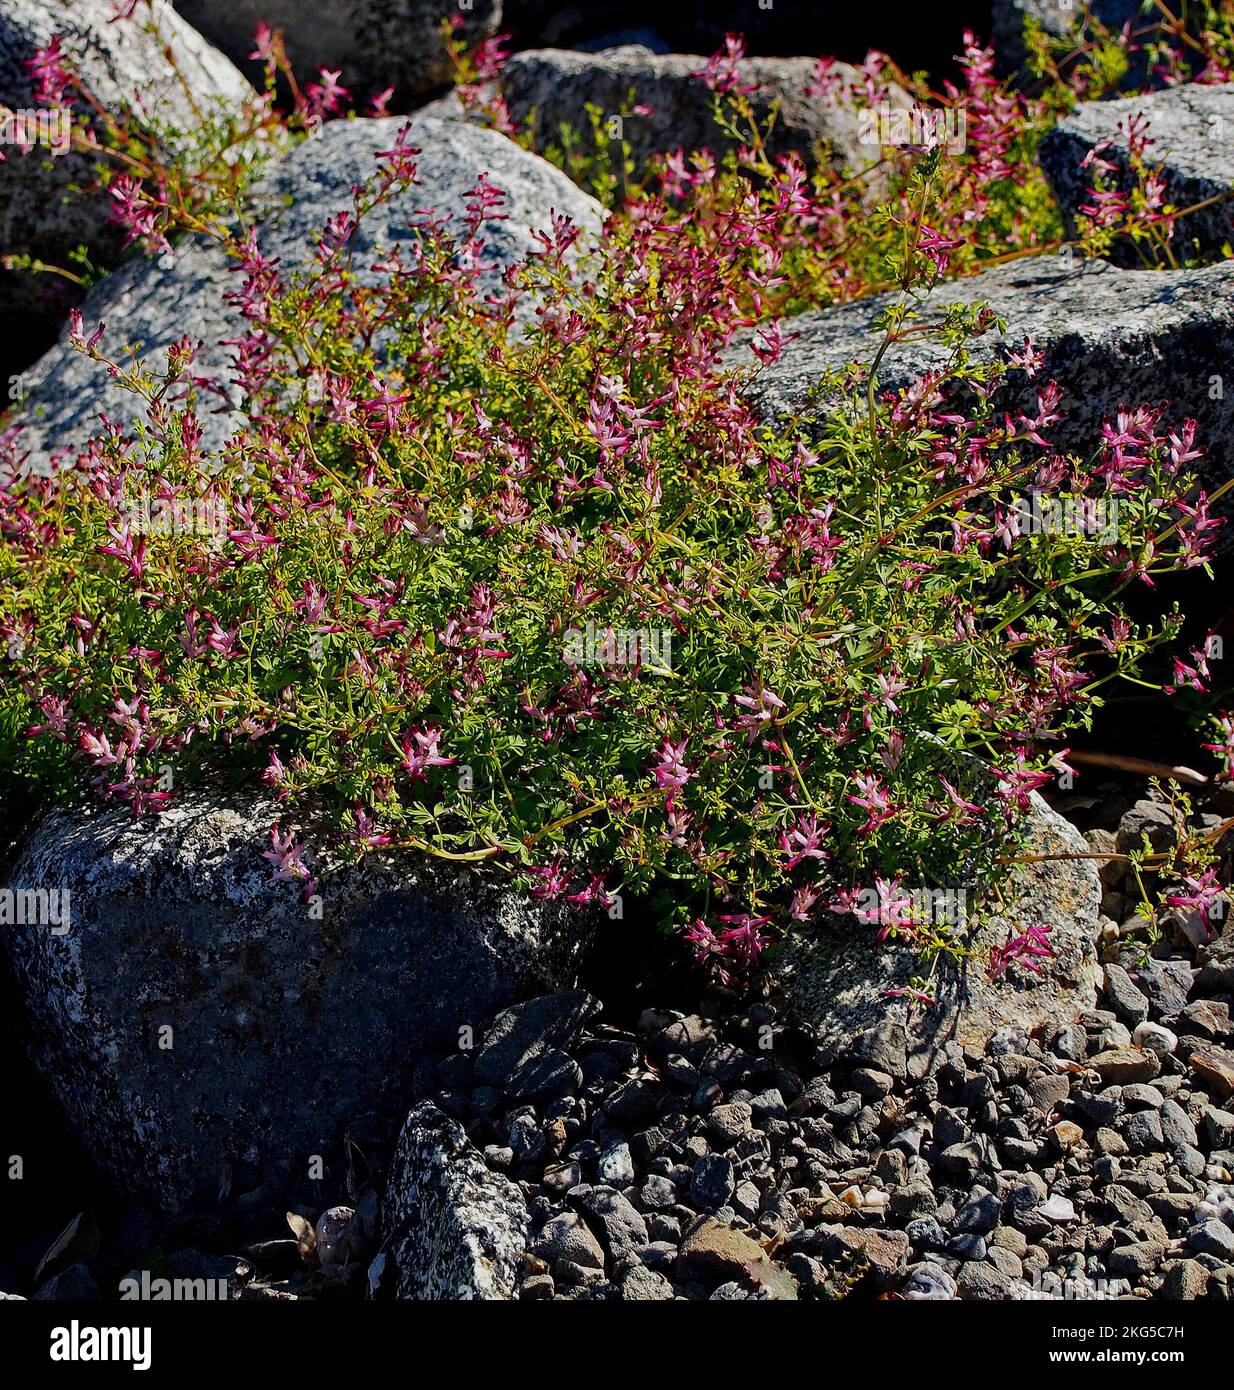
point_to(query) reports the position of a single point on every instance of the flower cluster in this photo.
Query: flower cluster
(872, 668)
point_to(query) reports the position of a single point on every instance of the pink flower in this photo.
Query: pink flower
(704, 940)
(1224, 747)
(426, 753)
(872, 797)
(52, 81)
(803, 840)
(286, 856)
(1205, 896)
(1016, 782)
(722, 73)
(744, 940)
(938, 248)
(960, 811)
(1028, 948)
(276, 776)
(764, 707)
(263, 43)
(549, 881)
(670, 772)
(1028, 358)
(366, 834)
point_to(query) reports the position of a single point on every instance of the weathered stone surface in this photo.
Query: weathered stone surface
(73, 1285)
(1217, 965)
(1124, 997)
(1111, 337)
(1122, 1066)
(1216, 1066)
(712, 1252)
(156, 303)
(454, 1229)
(282, 1024)
(530, 1029)
(128, 71)
(375, 43)
(1190, 128)
(552, 86)
(1185, 1281)
(880, 1254)
(841, 988)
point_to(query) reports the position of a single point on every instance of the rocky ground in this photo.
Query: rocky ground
(686, 1158)
(719, 1152)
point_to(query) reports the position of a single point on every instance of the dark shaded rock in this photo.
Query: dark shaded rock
(603, 1060)
(1205, 1018)
(1218, 1128)
(978, 1215)
(375, 43)
(1217, 965)
(1142, 1131)
(552, 86)
(72, 1285)
(568, 1237)
(1048, 1092)
(620, 1227)
(926, 1234)
(552, 1073)
(1124, 997)
(962, 1162)
(1136, 1261)
(1166, 983)
(636, 1102)
(233, 1025)
(884, 1047)
(712, 1182)
(528, 1030)
(1177, 1127)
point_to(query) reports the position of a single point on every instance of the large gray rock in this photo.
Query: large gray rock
(1191, 126)
(454, 1228)
(1111, 338)
(155, 303)
(128, 70)
(375, 43)
(282, 1022)
(840, 987)
(551, 88)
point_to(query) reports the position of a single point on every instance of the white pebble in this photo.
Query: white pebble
(1154, 1038)
(1057, 1209)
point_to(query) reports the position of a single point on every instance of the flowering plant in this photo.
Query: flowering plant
(434, 487)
